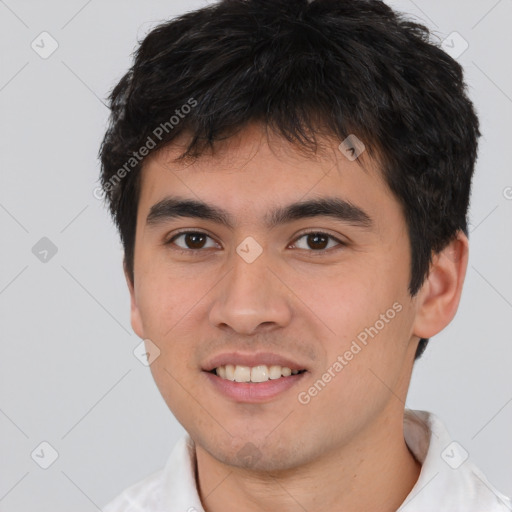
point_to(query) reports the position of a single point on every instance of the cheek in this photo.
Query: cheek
(364, 325)
(360, 379)
(175, 388)
(345, 300)
(164, 298)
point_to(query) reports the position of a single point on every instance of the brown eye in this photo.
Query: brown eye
(192, 241)
(317, 241)
(195, 240)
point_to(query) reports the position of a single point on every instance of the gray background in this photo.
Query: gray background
(68, 375)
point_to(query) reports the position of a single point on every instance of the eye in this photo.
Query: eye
(314, 241)
(192, 241)
(317, 241)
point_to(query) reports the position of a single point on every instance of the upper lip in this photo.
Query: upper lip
(251, 359)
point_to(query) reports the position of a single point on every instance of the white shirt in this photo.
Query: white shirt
(448, 482)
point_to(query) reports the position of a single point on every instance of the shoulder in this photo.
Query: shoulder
(144, 496)
(449, 480)
(171, 488)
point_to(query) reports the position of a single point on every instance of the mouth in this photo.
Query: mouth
(256, 377)
(256, 374)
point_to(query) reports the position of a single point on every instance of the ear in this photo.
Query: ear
(439, 296)
(135, 316)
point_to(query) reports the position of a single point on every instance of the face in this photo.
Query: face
(259, 284)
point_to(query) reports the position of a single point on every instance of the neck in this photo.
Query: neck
(374, 472)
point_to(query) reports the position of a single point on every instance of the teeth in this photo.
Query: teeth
(261, 373)
(275, 372)
(242, 374)
(230, 372)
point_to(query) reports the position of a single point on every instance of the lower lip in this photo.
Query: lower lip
(253, 392)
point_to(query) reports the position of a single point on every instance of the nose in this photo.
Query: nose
(250, 299)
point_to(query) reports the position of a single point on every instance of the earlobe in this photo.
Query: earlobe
(135, 316)
(440, 294)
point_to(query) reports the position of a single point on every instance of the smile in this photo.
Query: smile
(260, 373)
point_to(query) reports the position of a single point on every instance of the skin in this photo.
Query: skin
(344, 450)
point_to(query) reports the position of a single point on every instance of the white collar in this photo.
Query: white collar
(449, 481)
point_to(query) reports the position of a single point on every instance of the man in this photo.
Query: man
(291, 181)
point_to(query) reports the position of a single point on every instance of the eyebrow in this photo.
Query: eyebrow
(175, 207)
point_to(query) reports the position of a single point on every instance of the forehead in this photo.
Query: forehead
(253, 171)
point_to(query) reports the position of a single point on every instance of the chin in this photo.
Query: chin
(255, 454)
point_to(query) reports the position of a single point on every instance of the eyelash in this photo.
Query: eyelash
(194, 252)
